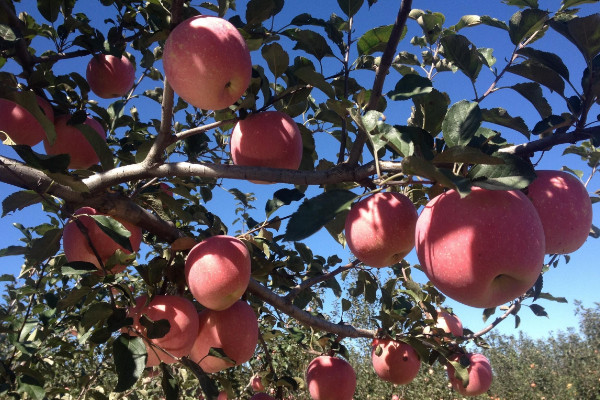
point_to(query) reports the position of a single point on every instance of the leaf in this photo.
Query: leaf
(418, 166)
(501, 117)
(532, 91)
(49, 9)
(78, 268)
(19, 200)
(431, 24)
(462, 53)
(346, 305)
(13, 251)
(314, 213)
(399, 141)
(114, 229)
(155, 329)
(98, 144)
(573, 3)
(168, 383)
(129, 355)
(488, 312)
(547, 125)
(312, 77)
(461, 370)
(282, 197)
(277, 59)
(548, 296)
(58, 163)
(97, 313)
(522, 3)
(409, 86)
(220, 353)
(461, 123)
(7, 34)
(549, 60)
(45, 247)
(538, 310)
(536, 72)
(350, 7)
(429, 111)
(515, 173)
(525, 23)
(466, 155)
(258, 11)
(309, 41)
(582, 32)
(375, 40)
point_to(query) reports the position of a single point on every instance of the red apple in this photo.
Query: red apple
(449, 323)
(70, 140)
(398, 362)
(480, 375)
(256, 384)
(235, 330)
(217, 271)
(77, 247)
(395, 397)
(261, 396)
(565, 209)
(482, 250)
(183, 320)
(330, 378)
(166, 189)
(207, 63)
(19, 124)
(110, 76)
(267, 139)
(222, 395)
(380, 229)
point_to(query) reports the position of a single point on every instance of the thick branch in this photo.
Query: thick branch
(546, 143)
(304, 317)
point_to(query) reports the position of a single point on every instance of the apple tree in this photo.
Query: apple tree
(142, 139)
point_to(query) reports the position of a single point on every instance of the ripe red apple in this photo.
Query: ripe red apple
(235, 330)
(449, 323)
(380, 229)
(70, 140)
(482, 250)
(183, 320)
(267, 139)
(222, 395)
(77, 247)
(18, 123)
(110, 76)
(480, 375)
(217, 271)
(395, 397)
(565, 209)
(256, 384)
(207, 63)
(330, 378)
(261, 396)
(398, 362)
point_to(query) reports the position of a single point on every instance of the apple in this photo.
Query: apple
(330, 378)
(267, 139)
(77, 247)
(256, 384)
(480, 375)
(70, 140)
(565, 209)
(163, 187)
(207, 63)
(261, 396)
(217, 271)
(234, 330)
(380, 229)
(19, 124)
(110, 76)
(183, 320)
(449, 323)
(398, 362)
(222, 395)
(482, 250)
(395, 397)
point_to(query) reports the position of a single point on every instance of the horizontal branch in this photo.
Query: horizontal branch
(546, 143)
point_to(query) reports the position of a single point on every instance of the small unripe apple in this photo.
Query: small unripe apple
(482, 250)
(207, 63)
(110, 76)
(76, 244)
(267, 139)
(217, 271)
(183, 320)
(234, 330)
(398, 362)
(480, 375)
(565, 209)
(330, 378)
(70, 140)
(19, 124)
(380, 229)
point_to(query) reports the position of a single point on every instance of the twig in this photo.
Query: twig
(318, 279)
(491, 326)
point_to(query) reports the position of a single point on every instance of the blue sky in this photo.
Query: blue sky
(576, 280)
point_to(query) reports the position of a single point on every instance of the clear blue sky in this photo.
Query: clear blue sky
(576, 280)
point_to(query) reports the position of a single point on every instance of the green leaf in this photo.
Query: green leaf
(258, 11)
(525, 23)
(418, 166)
(522, 3)
(73, 297)
(462, 53)
(431, 24)
(220, 353)
(31, 386)
(547, 125)
(515, 173)
(429, 111)
(312, 77)
(49, 9)
(46, 246)
(468, 21)
(399, 141)
(537, 72)
(375, 40)
(461, 370)
(169, 383)
(282, 197)
(574, 3)
(309, 41)
(466, 155)
(533, 93)
(130, 360)
(409, 86)
(501, 117)
(549, 60)
(314, 213)
(58, 163)
(78, 268)
(346, 305)
(13, 251)
(7, 34)
(277, 59)
(461, 123)
(538, 310)
(488, 312)
(98, 144)
(114, 229)
(350, 7)
(548, 296)
(582, 32)
(19, 200)
(155, 329)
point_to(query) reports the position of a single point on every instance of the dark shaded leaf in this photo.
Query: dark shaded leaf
(515, 173)
(532, 91)
(309, 41)
(418, 166)
(525, 23)
(313, 78)
(114, 229)
(58, 163)
(488, 312)
(46, 246)
(461, 52)
(350, 7)
(13, 251)
(409, 86)
(538, 310)
(282, 197)
(582, 32)
(537, 72)
(466, 155)
(49, 9)
(129, 354)
(522, 3)
(501, 117)
(19, 200)
(461, 123)
(155, 329)
(547, 125)
(258, 11)
(314, 213)
(99, 145)
(549, 60)
(277, 59)
(429, 111)
(169, 383)
(548, 296)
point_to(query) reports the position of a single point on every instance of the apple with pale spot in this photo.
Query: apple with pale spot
(395, 361)
(110, 76)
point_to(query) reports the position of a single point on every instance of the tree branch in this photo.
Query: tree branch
(491, 326)
(318, 279)
(546, 143)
